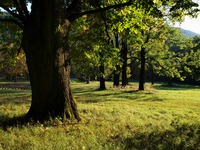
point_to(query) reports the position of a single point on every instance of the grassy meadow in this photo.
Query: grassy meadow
(159, 118)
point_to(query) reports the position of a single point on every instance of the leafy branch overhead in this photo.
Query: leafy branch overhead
(19, 13)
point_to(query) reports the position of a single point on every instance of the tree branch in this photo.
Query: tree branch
(12, 13)
(24, 7)
(106, 27)
(132, 57)
(19, 9)
(74, 16)
(10, 20)
(158, 63)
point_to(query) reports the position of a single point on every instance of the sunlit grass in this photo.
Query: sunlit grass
(119, 118)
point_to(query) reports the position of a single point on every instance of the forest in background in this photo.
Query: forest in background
(171, 54)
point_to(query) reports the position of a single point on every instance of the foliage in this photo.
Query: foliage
(160, 54)
(90, 46)
(16, 67)
(191, 63)
(12, 59)
(167, 60)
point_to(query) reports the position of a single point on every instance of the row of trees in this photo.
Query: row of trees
(118, 44)
(121, 29)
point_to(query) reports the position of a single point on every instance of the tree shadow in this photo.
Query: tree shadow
(117, 95)
(16, 97)
(140, 96)
(16, 121)
(82, 90)
(180, 137)
(88, 101)
(18, 100)
(176, 87)
(11, 100)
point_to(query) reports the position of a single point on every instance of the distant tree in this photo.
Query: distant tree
(94, 46)
(151, 40)
(190, 62)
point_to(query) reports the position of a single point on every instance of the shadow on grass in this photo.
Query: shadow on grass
(16, 101)
(83, 90)
(12, 91)
(176, 87)
(132, 95)
(16, 97)
(16, 121)
(179, 138)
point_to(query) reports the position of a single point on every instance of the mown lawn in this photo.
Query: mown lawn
(159, 118)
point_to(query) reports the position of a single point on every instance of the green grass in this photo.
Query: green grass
(159, 118)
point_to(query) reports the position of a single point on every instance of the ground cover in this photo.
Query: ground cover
(119, 118)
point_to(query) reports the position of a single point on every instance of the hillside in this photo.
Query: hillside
(189, 33)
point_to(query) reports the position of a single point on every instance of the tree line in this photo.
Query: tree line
(114, 46)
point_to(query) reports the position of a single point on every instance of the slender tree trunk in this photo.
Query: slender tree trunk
(102, 73)
(117, 68)
(170, 83)
(116, 76)
(124, 52)
(102, 78)
(152, 74)
(45, 42)
(142, 69)
(143, 62)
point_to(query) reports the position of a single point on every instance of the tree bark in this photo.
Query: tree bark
(102, 78)
(124, 52)
(116, 76)
(45, 42)
(102, 73)
(152, 75)
(143, 62)
(170, 83)
(142, 69)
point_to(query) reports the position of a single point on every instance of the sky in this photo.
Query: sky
(192, 24)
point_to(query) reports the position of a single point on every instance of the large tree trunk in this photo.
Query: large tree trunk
(45, 43)
(142, 69)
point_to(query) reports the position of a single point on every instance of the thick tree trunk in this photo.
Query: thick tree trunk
(124, 52)
(142, 69)
(46, 46)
